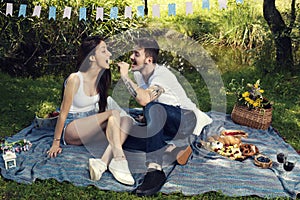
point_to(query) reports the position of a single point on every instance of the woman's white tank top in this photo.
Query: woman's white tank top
(82, 102)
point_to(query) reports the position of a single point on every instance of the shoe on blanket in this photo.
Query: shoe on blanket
(121, 172)
(97, 167)
(183, 155)
(153, 181)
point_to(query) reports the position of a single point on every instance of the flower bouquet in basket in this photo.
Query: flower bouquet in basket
(46, 116)
(251, 108)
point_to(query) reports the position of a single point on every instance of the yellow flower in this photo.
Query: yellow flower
(256, 104)
(251, 101)
(251, 95)
(247, 99)
(246, 94)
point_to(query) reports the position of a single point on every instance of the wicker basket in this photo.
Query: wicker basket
(254, 118)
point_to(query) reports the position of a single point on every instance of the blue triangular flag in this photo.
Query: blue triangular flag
(172, 9)
(22, 11)
(52, 12)
(140, 11)
(205, 4)
(82, 13)
(114, 13)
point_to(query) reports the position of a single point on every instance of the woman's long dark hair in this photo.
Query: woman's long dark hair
(103, 81)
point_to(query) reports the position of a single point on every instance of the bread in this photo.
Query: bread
(226, 140)
(235, 133)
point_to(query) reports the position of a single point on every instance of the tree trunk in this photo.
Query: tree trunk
(146, 8)
(281, 33)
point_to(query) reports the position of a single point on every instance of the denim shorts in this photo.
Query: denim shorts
(72, 116)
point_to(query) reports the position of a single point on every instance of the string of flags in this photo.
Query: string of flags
(114, 11)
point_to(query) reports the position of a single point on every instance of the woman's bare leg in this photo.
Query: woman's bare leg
(88, 129)
(125, 125)
(83, 130)
(113, 134)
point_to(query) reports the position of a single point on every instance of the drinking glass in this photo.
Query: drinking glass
(289, 164)
(281, 157)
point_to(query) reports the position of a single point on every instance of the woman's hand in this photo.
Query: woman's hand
(54, 150)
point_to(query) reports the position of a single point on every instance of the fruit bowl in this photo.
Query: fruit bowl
(46, 123)
(263, 161)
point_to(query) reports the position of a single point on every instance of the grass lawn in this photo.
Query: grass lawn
(21, 96)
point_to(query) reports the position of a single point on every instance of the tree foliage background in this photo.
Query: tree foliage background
(33, 47)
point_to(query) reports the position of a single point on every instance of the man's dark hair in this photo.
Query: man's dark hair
(151, 47)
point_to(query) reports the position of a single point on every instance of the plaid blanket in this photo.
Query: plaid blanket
(206, 171)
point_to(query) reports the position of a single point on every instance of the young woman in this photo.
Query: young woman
(81, 121)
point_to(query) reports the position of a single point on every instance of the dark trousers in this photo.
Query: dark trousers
(164, 124)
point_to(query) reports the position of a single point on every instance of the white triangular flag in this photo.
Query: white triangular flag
(99, 13)
(37, 11)
(155, 10)
(128, 12)
(9, 9)
(222, 4)
(189, 8)
(67, 12)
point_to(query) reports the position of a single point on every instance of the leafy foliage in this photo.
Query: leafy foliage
(34, 46)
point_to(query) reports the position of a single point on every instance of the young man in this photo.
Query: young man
(168, 112)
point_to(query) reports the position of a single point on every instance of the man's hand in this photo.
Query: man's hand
(142, 96)
(155, 91)
(124, 68)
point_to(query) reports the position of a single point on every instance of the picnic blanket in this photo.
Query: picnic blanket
(206, 171)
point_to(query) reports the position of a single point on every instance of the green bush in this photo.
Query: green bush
(33, 47)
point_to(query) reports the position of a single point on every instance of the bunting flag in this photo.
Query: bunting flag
(140, 11)
(114, 13)
(82, 13)
(37, 11)
(114, 10)
(99, 13)
(188, 8)
(172, 9)
(52, 12)
(9, 9)
(205, 4)
(155, 11)
(128, 12)
(22, 10)
(67, 12)
(222, 4)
